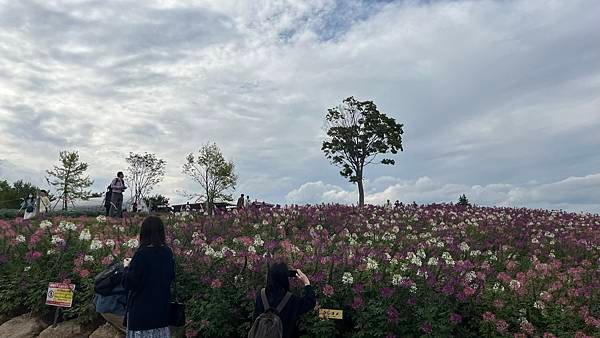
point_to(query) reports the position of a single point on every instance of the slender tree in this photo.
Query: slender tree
(69, 178)
(145, 171)
(215, 175)
(356, 133)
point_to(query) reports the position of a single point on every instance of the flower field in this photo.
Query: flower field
(437, 270)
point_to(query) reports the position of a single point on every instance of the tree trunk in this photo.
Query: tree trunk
(361, 192)
(65, 204)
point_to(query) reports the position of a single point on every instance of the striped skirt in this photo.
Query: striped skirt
(163, 332)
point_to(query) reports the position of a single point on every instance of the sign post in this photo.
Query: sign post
(331, 314)
(59, 295)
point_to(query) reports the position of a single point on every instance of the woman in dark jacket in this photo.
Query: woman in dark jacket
(278, 285)
(148, 277)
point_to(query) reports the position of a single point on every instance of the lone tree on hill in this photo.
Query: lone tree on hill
(357, 133)
(463, 201)
(69, 179)
(214, 174)
(145, 171)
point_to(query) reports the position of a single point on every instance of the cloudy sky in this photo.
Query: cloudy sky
(499, 99)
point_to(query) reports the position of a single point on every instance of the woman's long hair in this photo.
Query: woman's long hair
(152, 232)
(278, 277)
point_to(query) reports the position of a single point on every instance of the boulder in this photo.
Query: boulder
(23, 326)
(68, 329)
(107, 331)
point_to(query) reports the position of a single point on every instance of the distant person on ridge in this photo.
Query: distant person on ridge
(247, 203)
(117, 186)
(107, 200)
(240, 202)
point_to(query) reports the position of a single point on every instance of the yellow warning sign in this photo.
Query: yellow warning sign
(331, 314)
(60, 294)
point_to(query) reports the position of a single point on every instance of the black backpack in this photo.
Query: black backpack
(107, 280)
(108, 196)
(268, 324)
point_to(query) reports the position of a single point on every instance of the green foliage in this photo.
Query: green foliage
(463, 201)
(215, 175)
(69, 178)
(357, 133)
(156, 200)
(11, 197)
(145, 171)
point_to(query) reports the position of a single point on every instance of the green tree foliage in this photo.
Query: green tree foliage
(145, 171)
(463, 201)
(156, 200)
(11, 197)
(215, 175)
(357, 132)
(69, 178)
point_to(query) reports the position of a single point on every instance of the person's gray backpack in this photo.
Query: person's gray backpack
(268, 324)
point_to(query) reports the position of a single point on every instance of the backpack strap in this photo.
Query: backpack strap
(284, 301)
(265, 301)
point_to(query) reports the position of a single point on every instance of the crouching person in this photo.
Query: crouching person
(111, 297)
(277, 310)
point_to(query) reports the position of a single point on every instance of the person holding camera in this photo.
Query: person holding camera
(276, 304)
(116, 203)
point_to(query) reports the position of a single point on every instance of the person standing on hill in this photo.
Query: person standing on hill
(117, 187)
(44, 201)
(240, 202)
(247, 203)
(148, 277)
(29, 206)
(107, 200)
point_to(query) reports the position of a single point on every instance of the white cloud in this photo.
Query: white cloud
(573, 193)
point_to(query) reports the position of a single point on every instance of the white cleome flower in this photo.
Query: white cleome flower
(258, 241)
(110, 242)
(398, 279)
(101, 218)
(448, 258)
(372, 264)
(88, 258)
(85, 235)
(56, 240)
(432, 261)
(20, 239)
(45, 224)
(67, 226)
(96, 244)
(347, 278)
(464, 247)
(132, 243)
(50, 252)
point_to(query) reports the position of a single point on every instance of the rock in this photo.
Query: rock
(107, 331)
(23, 326)
(68, 329)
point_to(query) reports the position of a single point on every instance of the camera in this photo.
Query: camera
(292, 273)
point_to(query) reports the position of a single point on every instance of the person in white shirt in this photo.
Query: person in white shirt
(44, 201)
(247, 202)
(116, 204)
